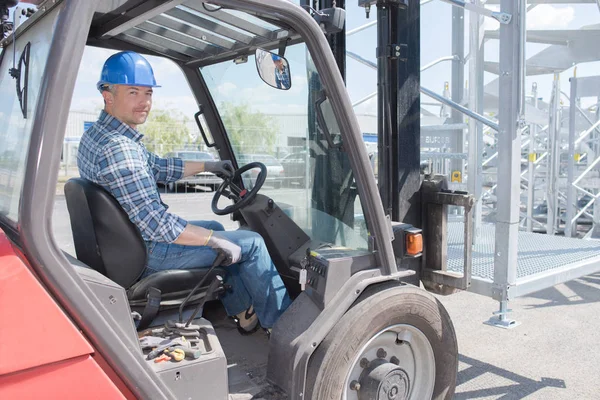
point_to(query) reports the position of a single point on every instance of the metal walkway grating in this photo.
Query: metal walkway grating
(537, 252)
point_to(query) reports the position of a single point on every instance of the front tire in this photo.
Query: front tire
(397, 342)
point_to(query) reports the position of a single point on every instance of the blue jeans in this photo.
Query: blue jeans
(254, 280)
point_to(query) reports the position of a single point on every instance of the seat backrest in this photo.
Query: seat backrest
(104, 237)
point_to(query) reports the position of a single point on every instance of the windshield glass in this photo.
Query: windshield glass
(307, 177)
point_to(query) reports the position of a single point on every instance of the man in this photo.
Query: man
(282, 75)
(112, 155)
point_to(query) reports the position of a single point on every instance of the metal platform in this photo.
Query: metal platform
(542, 260)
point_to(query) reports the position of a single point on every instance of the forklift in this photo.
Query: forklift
(352, 256)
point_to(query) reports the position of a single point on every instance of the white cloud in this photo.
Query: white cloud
(184, 104)
(226, 88)
(87, 104)
(543, 16)
(91, 65)
(164, 69)
(546, 16)
(262, 93)
(299, 84)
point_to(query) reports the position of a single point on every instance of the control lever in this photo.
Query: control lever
(214, 286)
(303, 273)
(218, 261)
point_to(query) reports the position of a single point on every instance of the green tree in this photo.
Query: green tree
(165, 131)
(249, 131)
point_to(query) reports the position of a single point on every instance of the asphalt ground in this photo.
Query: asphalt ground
(553, 354)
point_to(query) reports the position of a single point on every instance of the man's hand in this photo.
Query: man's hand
(220, 168)
(232, 251)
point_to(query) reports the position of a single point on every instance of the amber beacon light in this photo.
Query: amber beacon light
(414, 243)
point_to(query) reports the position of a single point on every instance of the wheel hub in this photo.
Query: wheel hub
(383, 380)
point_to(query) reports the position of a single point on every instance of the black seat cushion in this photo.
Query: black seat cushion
(104, 237)
(173, 283)
(107, 241)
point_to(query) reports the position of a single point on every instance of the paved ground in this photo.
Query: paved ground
(553, 354)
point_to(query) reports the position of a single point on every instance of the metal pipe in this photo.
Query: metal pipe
(553, 149)
(434, 95)
(509, 155)
(439, 60)
(361, 28)
(457, 90)
(522, 59)
(586, 133)
(588, 169)
(584, 208)
(460, 108)
(583, 114)
(502, 17)
(525, 143)
(531, 167)
(571, 161)
(362, 60)
(364, 99)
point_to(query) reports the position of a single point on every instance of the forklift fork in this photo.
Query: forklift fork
(436, 198)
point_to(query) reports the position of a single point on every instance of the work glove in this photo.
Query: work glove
(219, 168)
(232, 251)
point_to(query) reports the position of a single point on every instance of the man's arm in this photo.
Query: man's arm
(123, 170)
(216, 167)
(166, 170)
(173, 168)
(193, 168)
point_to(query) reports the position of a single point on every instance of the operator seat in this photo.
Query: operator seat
(107, 241)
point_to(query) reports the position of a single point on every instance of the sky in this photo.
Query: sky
(361, 80)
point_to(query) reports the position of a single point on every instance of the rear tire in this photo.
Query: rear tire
(400, 329)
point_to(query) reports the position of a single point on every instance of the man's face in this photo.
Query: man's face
(130, 104)
(279, 64)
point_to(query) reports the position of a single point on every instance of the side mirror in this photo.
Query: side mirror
(273, 69)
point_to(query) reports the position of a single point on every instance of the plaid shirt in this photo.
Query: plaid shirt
(112, 156)
(282, 78)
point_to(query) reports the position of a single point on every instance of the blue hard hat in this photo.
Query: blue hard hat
(275, 57)
(126, 68)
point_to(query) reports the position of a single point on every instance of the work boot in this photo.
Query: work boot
(247, 321)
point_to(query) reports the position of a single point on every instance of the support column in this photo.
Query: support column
(533, 130)
(457, 84)
(571, 198)
(595, 133)
(553, 160)
(475, 170)
(509, 159)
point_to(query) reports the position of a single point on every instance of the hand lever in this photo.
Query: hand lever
(218, 261)
(212, 288)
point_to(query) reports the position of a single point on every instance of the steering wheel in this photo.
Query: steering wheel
(241, 197)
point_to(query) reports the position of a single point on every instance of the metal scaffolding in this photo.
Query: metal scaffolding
(532, 166)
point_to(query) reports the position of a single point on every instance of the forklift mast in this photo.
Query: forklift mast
(398, 110)
(398, 101)
(398, 107)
